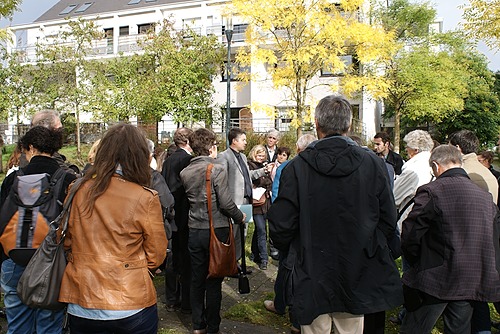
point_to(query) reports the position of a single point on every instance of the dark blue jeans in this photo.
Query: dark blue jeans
(144, 322)
(259, 239)
(206, 293)
(20, 317)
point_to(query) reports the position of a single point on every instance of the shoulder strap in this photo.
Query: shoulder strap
(209, 194)
(67, 206)
(407, 205)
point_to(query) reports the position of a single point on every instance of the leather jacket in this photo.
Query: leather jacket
(113, 251)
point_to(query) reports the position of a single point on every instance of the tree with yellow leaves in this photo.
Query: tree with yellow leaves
(482, 21)
(299, 38)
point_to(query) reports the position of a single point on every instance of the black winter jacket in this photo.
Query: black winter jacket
(335, 207)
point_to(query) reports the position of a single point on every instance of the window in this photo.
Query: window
(151, 0)
(133, 2)
(67, 10)
(350, 63)
(144, 28)
(124, 31)
(83, 7)
(108, 33)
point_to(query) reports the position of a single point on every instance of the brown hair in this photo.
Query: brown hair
(14, 158)
(181, 136)
(201, 140)
(123, 145)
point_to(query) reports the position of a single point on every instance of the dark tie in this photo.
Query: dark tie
(246, 176)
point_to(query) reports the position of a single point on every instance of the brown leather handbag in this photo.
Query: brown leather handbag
(222, 258)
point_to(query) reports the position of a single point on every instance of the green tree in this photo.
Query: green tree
(482, 21)
(481, 112)
(171, 76)
(64, 64)
(177, 79)
(298, 39)
(426, 79)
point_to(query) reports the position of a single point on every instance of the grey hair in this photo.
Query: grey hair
(304, 141)
(275, 133)
(151, 146)
(46, 118)
(446, 155)
(419, 140)
(333, 115)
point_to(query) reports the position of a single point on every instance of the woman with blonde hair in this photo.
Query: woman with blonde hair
(256, 160)
(115, 240)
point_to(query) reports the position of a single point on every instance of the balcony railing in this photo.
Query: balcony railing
(131, 43)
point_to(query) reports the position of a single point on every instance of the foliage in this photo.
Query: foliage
(17, 88)
(481, 112)
(297, 39)
(179, 67)
(427, 79)
(482, 21)
(64, 64)
(172, 76)
(7, 8)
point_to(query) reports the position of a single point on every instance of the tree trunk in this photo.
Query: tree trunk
(78, 150)
(397, 129)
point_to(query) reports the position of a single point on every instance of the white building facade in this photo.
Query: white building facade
(125, 21)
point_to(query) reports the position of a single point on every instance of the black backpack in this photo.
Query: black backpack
(32, 203)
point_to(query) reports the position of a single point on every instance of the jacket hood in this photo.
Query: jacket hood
(334, 156)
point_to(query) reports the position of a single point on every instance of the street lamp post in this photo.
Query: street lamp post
(229, 35)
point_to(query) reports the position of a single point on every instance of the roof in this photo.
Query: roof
(75, 8)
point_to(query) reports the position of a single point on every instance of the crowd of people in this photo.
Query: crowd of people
(334, 218)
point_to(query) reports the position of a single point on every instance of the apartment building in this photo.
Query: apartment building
(124, 22)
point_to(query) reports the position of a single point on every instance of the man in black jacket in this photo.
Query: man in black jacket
(172, 167)
(382, 143)
(334, 213)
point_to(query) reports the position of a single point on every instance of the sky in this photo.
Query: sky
(446, 9)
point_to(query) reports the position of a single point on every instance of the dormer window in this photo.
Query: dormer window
(83, 7)
(67, 10)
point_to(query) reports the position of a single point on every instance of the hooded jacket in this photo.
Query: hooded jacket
(334, 212)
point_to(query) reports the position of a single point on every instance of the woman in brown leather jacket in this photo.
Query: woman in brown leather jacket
(115, 240)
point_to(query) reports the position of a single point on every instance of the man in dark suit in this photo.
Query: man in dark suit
(172, 167)
(382, 143)
(239, 175)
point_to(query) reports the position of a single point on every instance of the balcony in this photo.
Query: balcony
(131, 43)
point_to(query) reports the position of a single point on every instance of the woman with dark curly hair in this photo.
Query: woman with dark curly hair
(206, 293)
(39, 144)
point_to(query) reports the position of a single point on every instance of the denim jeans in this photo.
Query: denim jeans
(206, 293)
(259, 239)
(20, 318)
(144, 322)
(456, 318)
